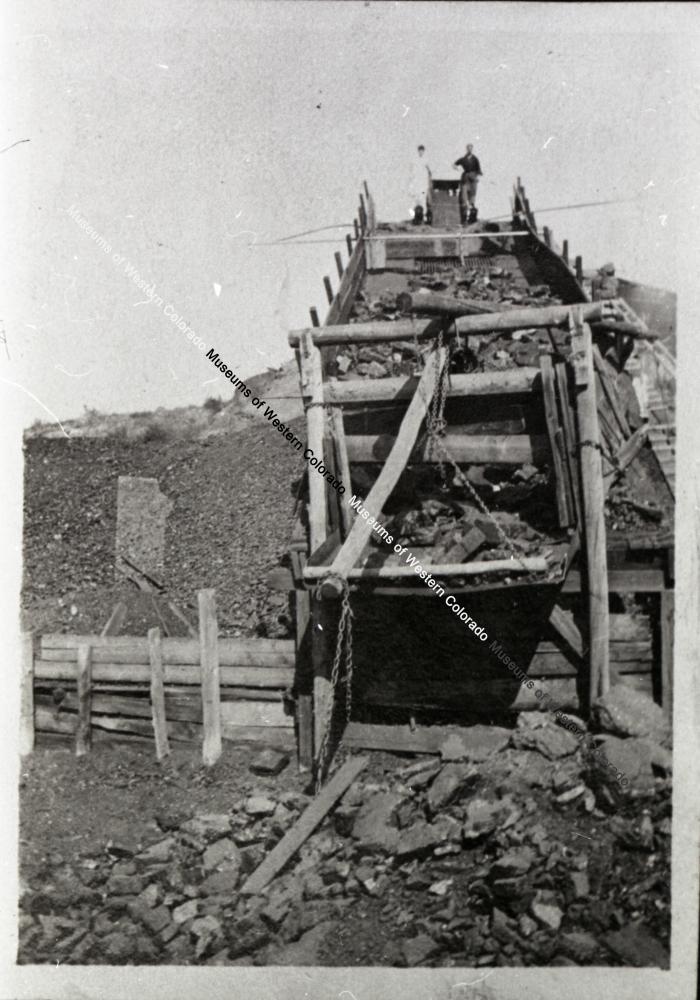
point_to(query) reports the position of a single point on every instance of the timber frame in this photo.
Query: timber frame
(329, 539)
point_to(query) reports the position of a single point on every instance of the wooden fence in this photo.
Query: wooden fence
(201, 690)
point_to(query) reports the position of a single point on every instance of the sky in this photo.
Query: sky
(189, 135)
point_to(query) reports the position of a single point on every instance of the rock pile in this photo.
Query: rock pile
(502, 853)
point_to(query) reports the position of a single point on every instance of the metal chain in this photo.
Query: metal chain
(344, 639)
(437, 426)
(436, 422)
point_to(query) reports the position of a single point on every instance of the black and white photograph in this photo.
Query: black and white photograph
(349, 393)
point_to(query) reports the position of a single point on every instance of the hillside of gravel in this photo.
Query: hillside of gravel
(233, 500)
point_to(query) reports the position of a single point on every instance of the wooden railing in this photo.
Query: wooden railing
(203, 690)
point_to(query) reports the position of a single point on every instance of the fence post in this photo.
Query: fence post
(160, 727)
(26, 712)
(209, 650)
(84, 688)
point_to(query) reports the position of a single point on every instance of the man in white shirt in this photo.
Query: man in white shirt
(419, 187)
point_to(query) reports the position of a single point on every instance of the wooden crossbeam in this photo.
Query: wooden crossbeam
(504, 449)
(378, 331)
(513, 380)
(393, 467)
(527, 564)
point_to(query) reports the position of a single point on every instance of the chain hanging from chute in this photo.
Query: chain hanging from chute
(343, 644)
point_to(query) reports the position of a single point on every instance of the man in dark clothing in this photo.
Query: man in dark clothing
(471, 172)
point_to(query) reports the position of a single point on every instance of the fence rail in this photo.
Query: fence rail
(165, 689)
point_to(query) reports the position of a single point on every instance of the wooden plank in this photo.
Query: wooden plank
(379, 331)
(667, 611)
(526, 564)
(628, 581)
(343, 466)
(313, 377)
(84, 683)
(26, 709)
(175, 673)
(610, 392)
(256, 713)
(473, 449)
(128, 649)
(486, 696)
(177, 709)
(552, 420)
(304, 826)
(424, 301)
(115, 620)
(303, 680)
(513, 380)
(394, 465)
(568, 426)
(631, 448)
(246, 658)
(160, 728)
(564, 624)
(227, 647)
(594, 518)
(211, 707)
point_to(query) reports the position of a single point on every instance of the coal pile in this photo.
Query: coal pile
(517, 847)
(222, 489)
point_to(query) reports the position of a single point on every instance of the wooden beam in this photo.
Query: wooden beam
(487, 449)
(526, 564)
(513, 380)
(84, 687)
(26, 710)
(313, 379)
(211, 707)
(610, 392)
(433, 303)
(379, 331)
(566, 627)
(343, 466)
(304, 826)
(313, 313)
(552, 419)
(329, 289)
(568, 425)
(116, 620)
(594, 519)
(630, 449)
(667, 627)
(394, 465)
(175, 673)
(339, 263)
(158, 717)
(134, 649)
(303, 680)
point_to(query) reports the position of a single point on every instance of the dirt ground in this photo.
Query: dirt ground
(93, 874)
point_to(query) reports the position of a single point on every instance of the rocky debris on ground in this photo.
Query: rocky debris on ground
(435, 862)
(537, 731)
(626, 712)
